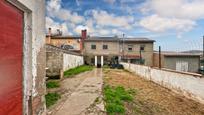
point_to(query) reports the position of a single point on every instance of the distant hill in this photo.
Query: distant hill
(200, 52)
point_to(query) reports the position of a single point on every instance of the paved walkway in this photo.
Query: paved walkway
(84, 95)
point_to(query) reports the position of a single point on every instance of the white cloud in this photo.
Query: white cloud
(55, 25)
(160, 24)
(103, 18)
(190, 9)
(79, 28)
(164, 15)
(55, 10)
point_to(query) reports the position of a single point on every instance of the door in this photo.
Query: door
(11, 41)
(182, 66)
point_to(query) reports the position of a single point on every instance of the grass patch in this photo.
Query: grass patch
(52, 84)
(51, 99)
(77, 70)
(115, 98)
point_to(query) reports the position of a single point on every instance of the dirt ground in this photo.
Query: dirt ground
(87, 86)
(150, 98)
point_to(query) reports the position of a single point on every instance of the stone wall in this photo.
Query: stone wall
(59, 60)
(190, 85)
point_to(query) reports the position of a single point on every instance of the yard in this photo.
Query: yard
(148, 97)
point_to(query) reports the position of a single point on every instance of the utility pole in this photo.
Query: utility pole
(123, 45)
(140, 56)
(159, 57)
(203, 56)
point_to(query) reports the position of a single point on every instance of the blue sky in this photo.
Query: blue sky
(176, 25)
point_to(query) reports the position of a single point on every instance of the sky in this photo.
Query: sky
(175, 25)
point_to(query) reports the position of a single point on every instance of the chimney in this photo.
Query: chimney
(49, 36)
(83, 37)
(83, 34)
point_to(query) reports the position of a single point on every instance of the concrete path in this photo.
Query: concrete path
(84, 95)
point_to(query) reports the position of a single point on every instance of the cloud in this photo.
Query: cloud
(165, 15)
(103, 18)
(50, 23)
(190, 9)
(160, 24)
(55, 10)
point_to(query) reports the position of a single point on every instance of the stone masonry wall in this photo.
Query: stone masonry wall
(59, 60)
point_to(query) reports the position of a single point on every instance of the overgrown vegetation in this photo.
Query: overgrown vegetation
(77, 70)
(52, 84)
(51, 99)
(115, 98)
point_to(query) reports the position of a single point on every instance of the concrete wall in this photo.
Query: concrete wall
(59, 60)
(71, 61)
(188, 84)
(34, 55)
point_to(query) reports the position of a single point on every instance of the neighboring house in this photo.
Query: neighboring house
(73, 43)
(22, 57)
(102, 50)
(178, 61)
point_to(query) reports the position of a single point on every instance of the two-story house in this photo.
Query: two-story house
(102, 50)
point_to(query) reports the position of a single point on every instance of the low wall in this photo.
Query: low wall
(71, 61)
(188, 84)
(59, 60)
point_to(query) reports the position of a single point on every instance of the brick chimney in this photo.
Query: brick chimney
(83, 34)
(83, 37)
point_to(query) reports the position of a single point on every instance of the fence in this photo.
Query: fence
(190, 85)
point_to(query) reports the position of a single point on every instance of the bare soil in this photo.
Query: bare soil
(150, 98)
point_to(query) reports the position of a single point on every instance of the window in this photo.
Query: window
(105, 47)
(93, 46)
(92, 60)
(130, 47)
(142, 47)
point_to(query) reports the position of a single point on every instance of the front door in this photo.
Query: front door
(11, 53)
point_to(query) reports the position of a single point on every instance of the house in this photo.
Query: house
(22, 57)
(185, 62)
(72, 43)
(102, 50)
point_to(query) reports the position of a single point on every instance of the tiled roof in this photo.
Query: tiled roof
(119, 39)
(65, 37)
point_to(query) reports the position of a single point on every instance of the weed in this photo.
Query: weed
(51, 99)
(77, 70)
(115, 98)
(52, 84)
